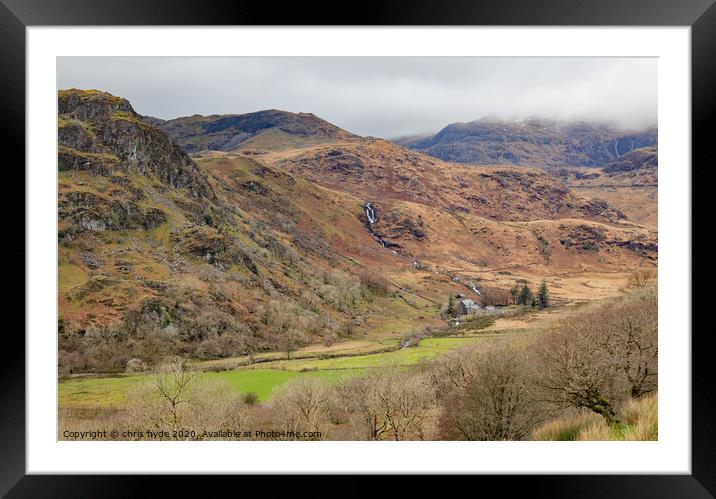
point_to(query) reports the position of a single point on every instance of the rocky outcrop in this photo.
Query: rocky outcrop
(86, 211)
(213, 247)
(102, 134)
(594, 238)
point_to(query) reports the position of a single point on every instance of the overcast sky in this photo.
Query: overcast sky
(380, 96)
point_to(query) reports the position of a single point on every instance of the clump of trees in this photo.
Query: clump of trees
(495, 296)
(303, 406)
(373, 282)
(383, 404)
(449, 308)
(522, 294)
(414, 337)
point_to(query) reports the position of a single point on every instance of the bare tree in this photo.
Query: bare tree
(159, 403)
(635, 324)
(175, 400)
(579, 369)
(292, 340)
(604, 355)
(452, 372)
(642, 279)
(495, 401)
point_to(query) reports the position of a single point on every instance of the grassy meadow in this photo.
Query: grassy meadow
(261, 378)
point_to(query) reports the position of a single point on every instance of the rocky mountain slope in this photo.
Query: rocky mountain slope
(257, 248)
(629, 183)
(538, 143)
(270, 130)
(376, 169)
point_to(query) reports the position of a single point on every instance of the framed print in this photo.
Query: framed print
(425, 240)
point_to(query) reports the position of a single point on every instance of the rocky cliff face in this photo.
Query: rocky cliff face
(140, 175)
(101, 133)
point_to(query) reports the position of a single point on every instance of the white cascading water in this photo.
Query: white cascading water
(370, 213)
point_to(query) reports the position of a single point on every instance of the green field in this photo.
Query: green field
(426, 350)
(111, 391)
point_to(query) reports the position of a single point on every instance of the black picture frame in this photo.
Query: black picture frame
(16, 15)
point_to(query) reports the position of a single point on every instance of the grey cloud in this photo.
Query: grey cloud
(379, 96)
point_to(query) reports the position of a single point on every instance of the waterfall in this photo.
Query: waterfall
(372, 218)
(370, 213)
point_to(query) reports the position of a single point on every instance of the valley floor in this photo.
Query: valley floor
(338, 361)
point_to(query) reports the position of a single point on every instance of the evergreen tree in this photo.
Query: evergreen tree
(543, 295)
(526, 296)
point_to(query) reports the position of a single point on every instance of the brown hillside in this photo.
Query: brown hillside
(377, 169)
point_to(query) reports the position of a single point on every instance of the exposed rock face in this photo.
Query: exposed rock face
(593, 238)
(396, 226)
(534, 142)
(643, 158)
(101, 133)
(88, 211)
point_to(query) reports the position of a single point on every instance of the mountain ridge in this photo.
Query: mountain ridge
(259, 129)
(533, 142)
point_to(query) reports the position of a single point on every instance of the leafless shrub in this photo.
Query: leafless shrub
(136, 365)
